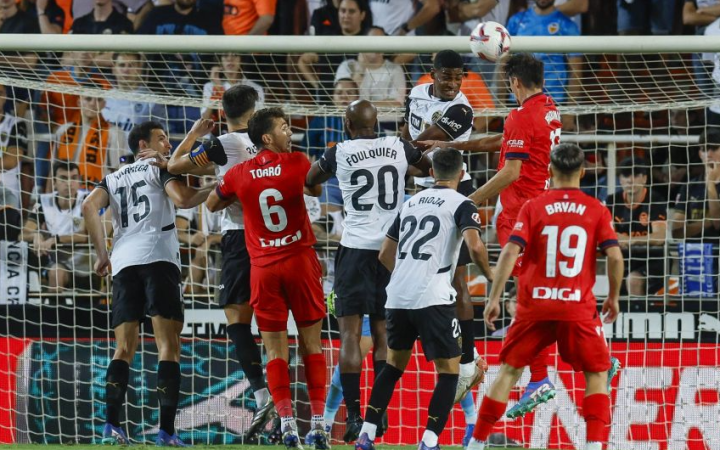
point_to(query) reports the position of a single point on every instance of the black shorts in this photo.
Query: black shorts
(465, 188)
(437, 326)
(235, 272)
(360, 282)
(153, 289)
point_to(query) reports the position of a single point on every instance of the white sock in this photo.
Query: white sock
(467, 370)
(471, 419)
(370, 429)
(476, 445)
(593, 446)
(288, 421)
(261, 397)
(317, 421)
(430, 438)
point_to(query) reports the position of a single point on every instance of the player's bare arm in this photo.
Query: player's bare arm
(615, 264)
(478, 252)
(316, 176)
(181, 162)
(509, 173)
(387, 253)
(184, 196)
(93, 203)
(503, 270)
(432, 133)
(216, 203)
(487, 144)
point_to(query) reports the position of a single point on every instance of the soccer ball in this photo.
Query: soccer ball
(490, 41)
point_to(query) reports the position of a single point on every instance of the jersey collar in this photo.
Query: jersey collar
(363, 137)
(531, 98)
(243, 130)
(431, 93)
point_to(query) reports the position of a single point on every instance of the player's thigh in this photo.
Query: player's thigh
(356, 284)
(525, 340)
(162, 284)
(439, 331)
(235, 271)
(582, 344)
(302, 283)
(268, 298)
(401, 331)
(129, 300)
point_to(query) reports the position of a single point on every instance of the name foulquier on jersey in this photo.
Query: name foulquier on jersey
(362, 155)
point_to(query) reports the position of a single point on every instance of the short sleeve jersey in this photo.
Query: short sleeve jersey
(240, 15)
(429, 232)
(371, 173)
(560, 232)
(238, 148)
(143, 216)
(530, 132)
(270, 189)
(454, 117)
(60, 222)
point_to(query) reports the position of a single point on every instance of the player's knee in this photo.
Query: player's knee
(508, 370)
(125, 349)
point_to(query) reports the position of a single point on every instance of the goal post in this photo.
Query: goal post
(651, 99)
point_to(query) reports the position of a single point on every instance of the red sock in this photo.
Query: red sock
(279, 384)
(490, 412)
(538, 366)
(596, 409)
(316, 376)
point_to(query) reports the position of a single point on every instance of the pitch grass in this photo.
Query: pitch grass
(207, 447)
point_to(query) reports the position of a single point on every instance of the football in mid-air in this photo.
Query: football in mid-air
(490, 41)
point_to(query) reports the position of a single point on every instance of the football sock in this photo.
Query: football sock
(430, 438)
(370, 429)
(378, 365)
(334, 397)
(317, 422)
(596, 409)
(116, 381)
(468, 406)
(538, 366)
(279, 384)
(248, 354)
(316, 377)
(441, 404)
(168, 391)
(381, 395)
(351, 391)
(467, 331)
(288, 421)
(490, 412)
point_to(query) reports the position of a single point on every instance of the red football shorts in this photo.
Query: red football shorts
(580, 343)
(293, 284)
(503, 228)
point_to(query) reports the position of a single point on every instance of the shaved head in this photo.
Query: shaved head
(360, 115)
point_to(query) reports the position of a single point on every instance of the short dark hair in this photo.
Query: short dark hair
(64, 165)
(448, 59)
(526, 68)
(710, 138)
(630, 167)
(447, 163)
(238, 100)
(142, 132)
(262, 122)
(567, 158)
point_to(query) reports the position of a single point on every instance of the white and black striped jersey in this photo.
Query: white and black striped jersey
(454, 117)
(143, 216)
(429, 233)
(238, 148)
(371, 174)
(60, 222)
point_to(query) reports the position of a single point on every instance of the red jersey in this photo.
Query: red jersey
(270, 189)
(560, 232)
(530, 132)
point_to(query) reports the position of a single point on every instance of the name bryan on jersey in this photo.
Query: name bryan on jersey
(372, 153)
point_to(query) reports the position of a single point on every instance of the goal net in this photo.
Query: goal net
(646, 117)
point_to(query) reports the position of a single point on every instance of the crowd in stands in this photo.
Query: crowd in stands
(77, 139)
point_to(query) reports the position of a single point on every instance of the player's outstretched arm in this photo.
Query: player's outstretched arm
(487, 144)
(184, 196)
(615, 265)
(478, 252)
(315, 177)
(93, 203)
(181, 163)
(503, 270)
(509, 173)
(216, 203)
(387, 253)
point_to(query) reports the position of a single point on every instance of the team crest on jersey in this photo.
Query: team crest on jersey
(77, 221)
(518, 226)
(553, 27)
(138, 107)
(476, 218)
(436, 116)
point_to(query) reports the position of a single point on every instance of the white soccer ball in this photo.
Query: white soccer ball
(490, 41)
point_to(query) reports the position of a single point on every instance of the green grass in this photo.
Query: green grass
(209, 447)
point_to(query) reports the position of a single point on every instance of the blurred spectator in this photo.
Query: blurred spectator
(319, 69)
(325, 131)
(199, 229)
(128, 70)
(700, 14)
(228, 73)
(57, 219)
(104, 19)
(248, 16)
(91, 143)
(10, 216)
(640, 218)
(54, 16)
(325, 21)
(562, 72)
(380, 80)
(400, 18)
(645, 16)
(15, 20)
(13, 146)
(696, 216)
